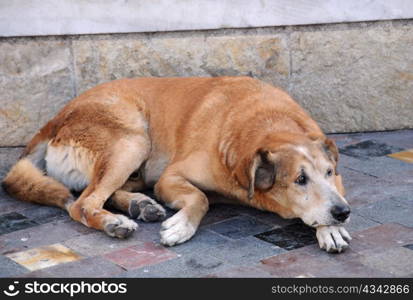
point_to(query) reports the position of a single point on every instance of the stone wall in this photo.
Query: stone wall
(350, 77)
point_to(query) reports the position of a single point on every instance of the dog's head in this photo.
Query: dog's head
(297, 179)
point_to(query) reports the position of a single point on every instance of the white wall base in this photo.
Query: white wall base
(64, 17)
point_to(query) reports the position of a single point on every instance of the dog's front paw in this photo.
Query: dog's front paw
(333, 238)
(177, 229)
(119, 226)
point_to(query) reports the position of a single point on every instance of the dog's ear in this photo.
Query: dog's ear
(329, 147)
(331, 150)
(261, 173)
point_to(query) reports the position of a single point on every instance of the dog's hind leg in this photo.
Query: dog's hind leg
(111, 171)
(178, 193)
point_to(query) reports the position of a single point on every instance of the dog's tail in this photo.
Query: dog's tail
(27, 182)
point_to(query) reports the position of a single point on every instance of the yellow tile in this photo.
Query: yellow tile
(43, 257)
(406, 156)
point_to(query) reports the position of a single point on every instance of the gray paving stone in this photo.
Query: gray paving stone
(239, 227)
(9, 268)
(99, 243)
(384, 236)
(358, 223)
(266, 217)
(9, 205)
(401, 193)
(352, 269)
(310, 261)
(203, 240)
(187, 265)
(45, 214)
(362, 189)
(93, 267)
(385, 168)
(362, 194)
(45, 234)
(388, 211)
(398, 138)
(220, 212)
(246, 251)
(241, 272)
(344, 139)
(352, 177)
(13, 222)
(148, 232)
(397, 261)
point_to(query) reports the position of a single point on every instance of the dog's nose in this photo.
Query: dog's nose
(340, 212)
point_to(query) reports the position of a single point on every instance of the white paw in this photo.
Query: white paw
(177, 229)
(333, 238)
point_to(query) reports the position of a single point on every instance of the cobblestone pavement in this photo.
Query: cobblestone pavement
(233, 241)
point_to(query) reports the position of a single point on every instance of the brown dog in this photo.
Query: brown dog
(233, 135)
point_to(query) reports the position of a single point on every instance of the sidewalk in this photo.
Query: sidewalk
(38, 241)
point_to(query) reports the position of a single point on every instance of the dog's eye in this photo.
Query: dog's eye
(329, 172)
(301, 180)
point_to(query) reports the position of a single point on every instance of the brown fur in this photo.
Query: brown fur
(26, 182)
(213, 134)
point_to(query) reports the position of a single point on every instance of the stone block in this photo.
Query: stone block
(100, 58)
(36, 80)
(354, 78)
